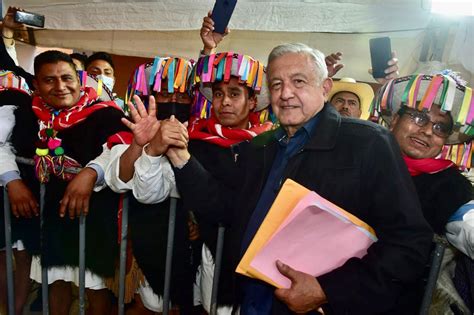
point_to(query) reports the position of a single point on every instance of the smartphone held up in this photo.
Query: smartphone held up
(221, 14)
(29, 19)
(380, 54)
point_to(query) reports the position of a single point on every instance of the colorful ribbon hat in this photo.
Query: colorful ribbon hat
(148, 77)
(364, 92)
(221, 67)
(422, 91)
(10, 81)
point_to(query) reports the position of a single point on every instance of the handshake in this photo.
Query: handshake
(158, 137)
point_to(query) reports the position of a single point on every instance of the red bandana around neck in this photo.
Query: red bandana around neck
(66, 118)
(427, 166)
(210, 130)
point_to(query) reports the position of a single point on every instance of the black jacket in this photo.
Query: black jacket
(441, 194)
(356, 165)
(83, 142)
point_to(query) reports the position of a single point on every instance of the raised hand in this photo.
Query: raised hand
(391, 72)
(22, 201)
(305, 293)
(9, 19)
(209, 38)
(332, 63)
(144, 124)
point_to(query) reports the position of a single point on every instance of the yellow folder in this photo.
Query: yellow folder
(287, 199)
(289, 196)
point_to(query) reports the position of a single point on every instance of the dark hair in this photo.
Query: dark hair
(11, 96)
(52, 56)
(251, 92)
(101, 55)
(81, 57)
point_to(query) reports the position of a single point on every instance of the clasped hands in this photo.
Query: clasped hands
(168, 136)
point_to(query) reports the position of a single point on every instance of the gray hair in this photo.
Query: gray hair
(316, 56)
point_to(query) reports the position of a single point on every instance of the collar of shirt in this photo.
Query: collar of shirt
(300, 138)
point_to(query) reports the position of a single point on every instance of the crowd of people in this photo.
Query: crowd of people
(221, 135)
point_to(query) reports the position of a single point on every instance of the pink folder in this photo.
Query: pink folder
(315, 238)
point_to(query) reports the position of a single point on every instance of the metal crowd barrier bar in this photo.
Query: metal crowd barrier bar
(9, 253)
(123, 255)
(169, 255)
(44, 269)
(435, 266)
(217, 268)
(82, 235)
(82, 263)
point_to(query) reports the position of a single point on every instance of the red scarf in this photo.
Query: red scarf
(65, 118)
(210, 130)
(428, 166)
(53, 162)
(122, 137)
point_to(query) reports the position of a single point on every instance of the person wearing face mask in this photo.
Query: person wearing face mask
(238, 96)
(135, 168)
(424, 113)
(102, 65)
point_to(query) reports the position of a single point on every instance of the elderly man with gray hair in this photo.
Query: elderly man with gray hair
(355, 164)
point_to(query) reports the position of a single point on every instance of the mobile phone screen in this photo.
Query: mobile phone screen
(221, 14)
(28, 18)
(380, 54)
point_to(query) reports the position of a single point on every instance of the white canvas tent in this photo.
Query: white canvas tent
(170, 27)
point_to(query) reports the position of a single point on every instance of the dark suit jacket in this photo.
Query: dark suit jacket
(356, 165)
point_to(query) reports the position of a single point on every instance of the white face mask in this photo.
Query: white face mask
(107, 81)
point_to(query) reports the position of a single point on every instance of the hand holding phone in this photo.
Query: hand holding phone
(221, 14)
(29, 18)
(380, 54)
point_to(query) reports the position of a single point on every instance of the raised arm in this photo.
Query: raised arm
(144, 126)
(210, 39)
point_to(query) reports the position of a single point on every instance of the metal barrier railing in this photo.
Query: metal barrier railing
(217, 269)
(82, 263)
(9, 253)
(169, 255)
(123, 256)
(436, 260)
(44, 269)
(82, 248)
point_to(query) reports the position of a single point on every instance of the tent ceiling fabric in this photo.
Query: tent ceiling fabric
(257, 44)
(171, 27)
(277, 16)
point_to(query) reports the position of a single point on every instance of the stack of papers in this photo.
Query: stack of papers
(306, 232)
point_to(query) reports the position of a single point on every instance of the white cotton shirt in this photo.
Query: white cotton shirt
(11, 50)
(7, 155)
(461, 233)
(153, 180)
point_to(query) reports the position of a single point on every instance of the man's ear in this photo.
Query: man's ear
(327, 86)
(35, 84)
(394, 122)
(252, 103)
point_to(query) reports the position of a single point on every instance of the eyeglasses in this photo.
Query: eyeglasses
(422, 119)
